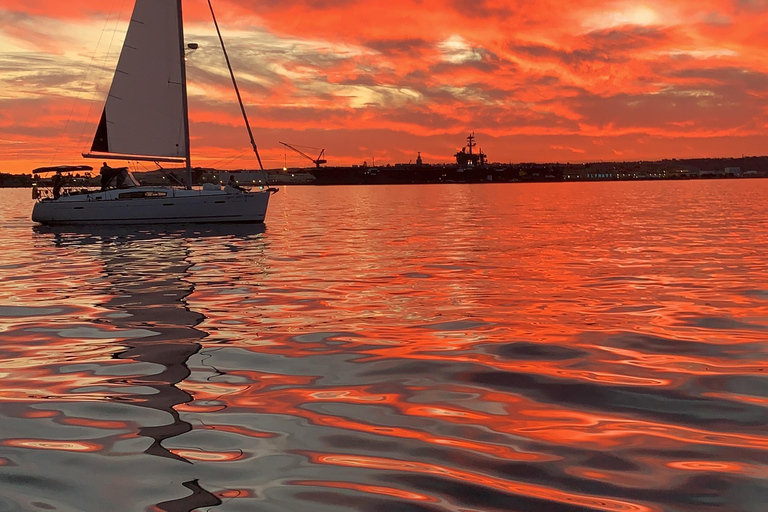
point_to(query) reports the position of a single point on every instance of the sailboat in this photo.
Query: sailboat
(145, 118)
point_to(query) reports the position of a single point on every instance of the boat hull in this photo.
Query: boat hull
(153, 205)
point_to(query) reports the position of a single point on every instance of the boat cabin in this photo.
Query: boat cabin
(119, 177)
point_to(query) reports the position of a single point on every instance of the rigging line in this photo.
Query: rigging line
(82, 86)
(100, 79)
(227, 159)
(234, 83)
(139, 164)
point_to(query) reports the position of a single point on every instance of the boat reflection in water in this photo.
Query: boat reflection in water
(145, 286)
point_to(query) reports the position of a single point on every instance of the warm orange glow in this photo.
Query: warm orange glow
(524, 489)
(84, 422)
(720, 467)
(208, 456)
(597, 81)
(44, 444)
(372, 489)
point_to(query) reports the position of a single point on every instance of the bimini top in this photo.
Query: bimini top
(117, 177)
(63, 168)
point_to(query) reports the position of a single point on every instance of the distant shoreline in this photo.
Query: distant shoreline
(470, 182)
(659, 170)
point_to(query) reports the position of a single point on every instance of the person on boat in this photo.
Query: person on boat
(233, 183)
(57, 182)
(106, 175)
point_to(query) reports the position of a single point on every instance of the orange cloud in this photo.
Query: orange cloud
(536, 82)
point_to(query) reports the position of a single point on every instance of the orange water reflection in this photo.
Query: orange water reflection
(40, 444)
(535, 348)
(597, 503)
(372, 489)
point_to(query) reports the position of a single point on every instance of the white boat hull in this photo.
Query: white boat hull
(154, 205)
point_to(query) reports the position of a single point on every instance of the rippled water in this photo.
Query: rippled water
(552, 347)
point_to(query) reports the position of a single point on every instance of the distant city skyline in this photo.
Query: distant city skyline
(538, 81)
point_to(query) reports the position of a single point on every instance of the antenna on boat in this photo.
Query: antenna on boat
(237, 91)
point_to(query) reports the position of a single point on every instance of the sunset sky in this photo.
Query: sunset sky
(536, 80)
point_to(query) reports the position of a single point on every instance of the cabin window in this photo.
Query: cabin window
(140, 194)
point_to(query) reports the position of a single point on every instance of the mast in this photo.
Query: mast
(234, 83)
(187, 151)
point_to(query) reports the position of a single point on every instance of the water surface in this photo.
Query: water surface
(531, 347)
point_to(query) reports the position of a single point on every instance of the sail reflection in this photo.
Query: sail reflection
(199, 498)
(145, 283)
(143, 280)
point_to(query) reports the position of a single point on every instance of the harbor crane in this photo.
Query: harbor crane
(317, 161)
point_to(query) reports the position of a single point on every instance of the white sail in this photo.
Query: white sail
(145, 112)
(145, 119)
